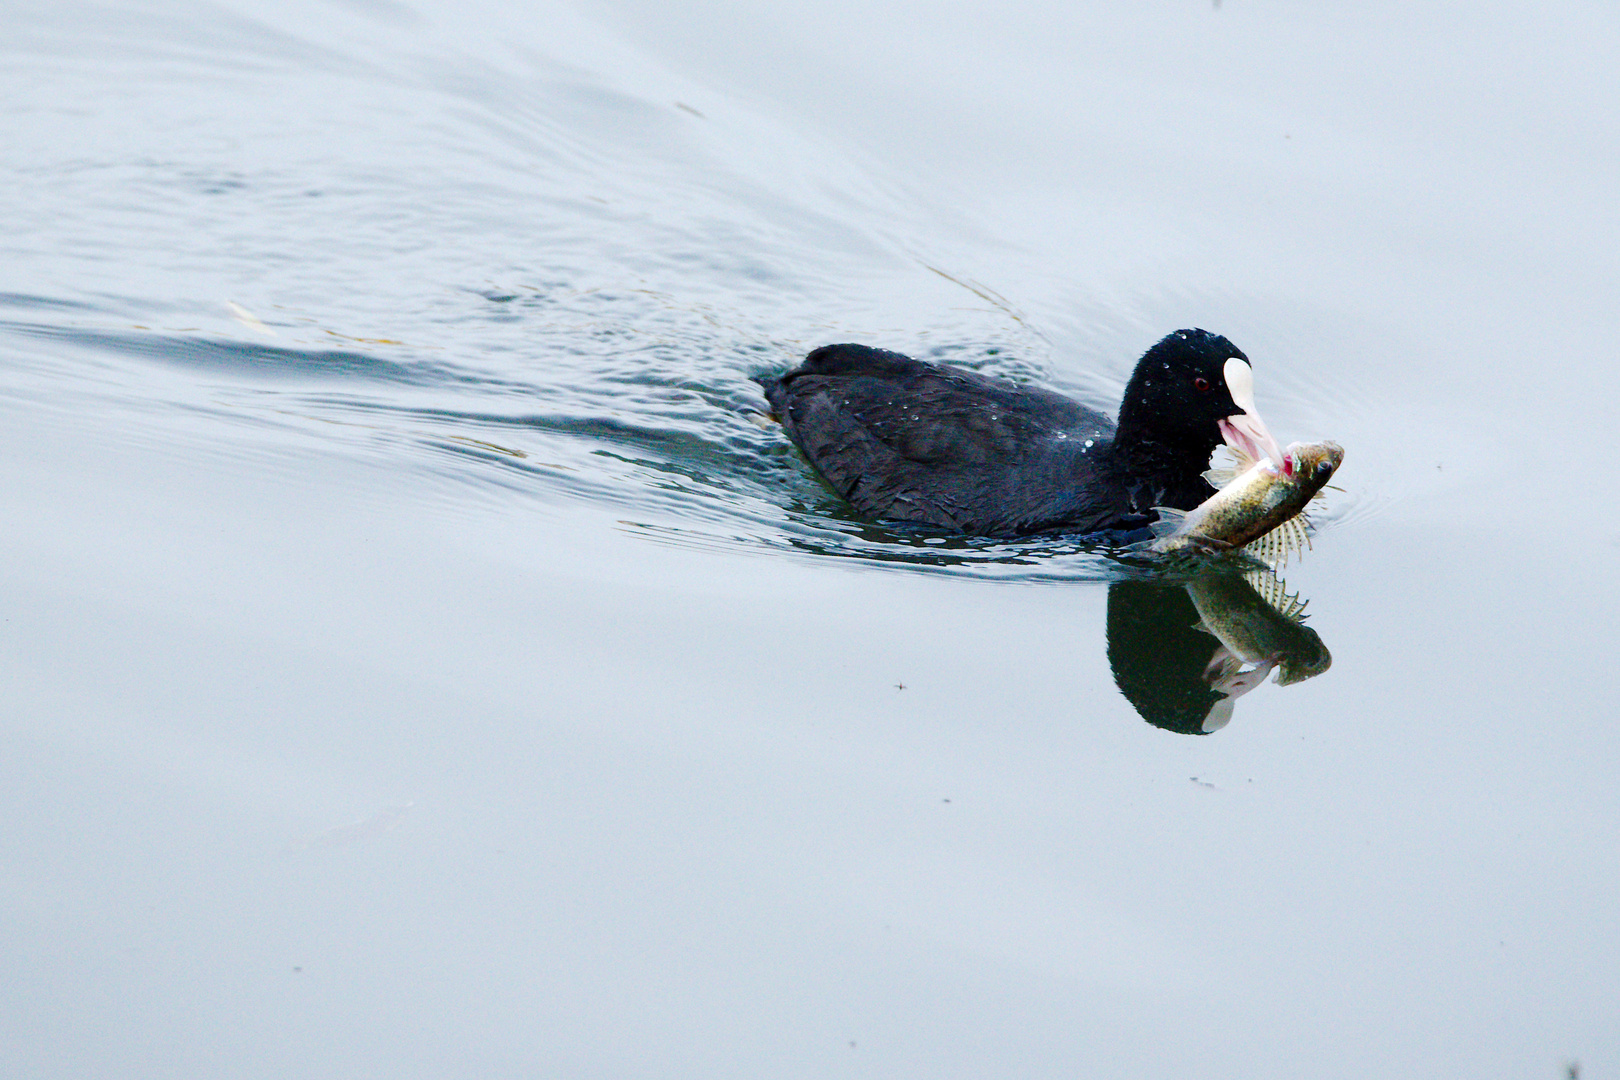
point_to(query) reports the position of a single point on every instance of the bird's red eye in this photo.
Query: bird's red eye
(1201, 383)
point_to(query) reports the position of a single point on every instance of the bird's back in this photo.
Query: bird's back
(908, 440)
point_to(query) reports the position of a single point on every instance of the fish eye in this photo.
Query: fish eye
(1201, 383)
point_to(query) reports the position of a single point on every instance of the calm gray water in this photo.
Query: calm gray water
(421, 662)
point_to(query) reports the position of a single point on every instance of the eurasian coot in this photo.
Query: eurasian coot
(907, 440)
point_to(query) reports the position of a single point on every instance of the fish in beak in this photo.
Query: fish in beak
(1245, 432)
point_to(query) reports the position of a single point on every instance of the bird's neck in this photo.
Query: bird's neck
(1157, 473)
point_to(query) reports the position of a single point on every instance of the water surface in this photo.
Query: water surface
(422, 659)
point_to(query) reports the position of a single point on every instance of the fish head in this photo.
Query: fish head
(1306, 659)
(1312, 464)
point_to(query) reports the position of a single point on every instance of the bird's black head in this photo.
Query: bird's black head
(1188, 393)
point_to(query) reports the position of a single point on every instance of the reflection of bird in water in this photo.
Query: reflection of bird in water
(1182, 654)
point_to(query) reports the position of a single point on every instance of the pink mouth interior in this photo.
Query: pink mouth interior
(1247, 434)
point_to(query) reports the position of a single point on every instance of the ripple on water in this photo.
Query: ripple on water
(545, 283)
(665, 427)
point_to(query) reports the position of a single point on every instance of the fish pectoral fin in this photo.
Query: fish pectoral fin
(1169, 523)
(1171, 532)
(1225, 465)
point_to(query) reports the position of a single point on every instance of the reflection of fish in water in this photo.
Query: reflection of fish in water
(1258, 510)
(1257, 627)
(1183, 653)
(1258, 623)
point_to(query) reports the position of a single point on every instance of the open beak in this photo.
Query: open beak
(1245, 432)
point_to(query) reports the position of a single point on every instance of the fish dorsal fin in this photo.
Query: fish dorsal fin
(1275, 547)
(1169, 522)
(1227, 464)
(1274, 591)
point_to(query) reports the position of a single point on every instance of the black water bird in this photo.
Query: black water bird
(907, 440)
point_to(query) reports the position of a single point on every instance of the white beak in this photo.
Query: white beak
(1246, 432)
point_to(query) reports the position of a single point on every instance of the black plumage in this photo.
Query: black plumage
(907, 440)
